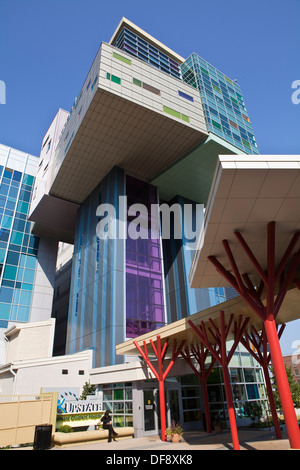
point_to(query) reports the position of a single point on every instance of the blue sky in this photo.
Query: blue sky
(47, 47)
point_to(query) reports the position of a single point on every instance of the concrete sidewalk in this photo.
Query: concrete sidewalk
(191, 441)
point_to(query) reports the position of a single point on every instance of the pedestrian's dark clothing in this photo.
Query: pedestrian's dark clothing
(106, 420)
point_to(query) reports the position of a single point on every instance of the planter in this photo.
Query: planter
(218, 428)
(175, 438)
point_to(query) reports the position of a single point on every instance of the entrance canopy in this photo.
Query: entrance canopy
(247, 192)
(181, 329)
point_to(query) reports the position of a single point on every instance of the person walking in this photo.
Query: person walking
(106, 420)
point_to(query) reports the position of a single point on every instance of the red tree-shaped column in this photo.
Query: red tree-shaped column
(218, 349)
(276, 281)
(160, 354)
(258, 341)
(200, 354)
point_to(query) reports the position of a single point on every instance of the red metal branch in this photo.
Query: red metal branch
(234, 266)
(146, 358)
(251, 256)
(286, 283)
(286, 255)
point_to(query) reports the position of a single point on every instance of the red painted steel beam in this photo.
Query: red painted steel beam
(220, 354)
(269, 313)
(203, 374)
(261, 355)
(283, 384)
(228, 391)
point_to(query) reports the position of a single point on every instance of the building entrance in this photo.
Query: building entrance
(151, 409)
(150, 423)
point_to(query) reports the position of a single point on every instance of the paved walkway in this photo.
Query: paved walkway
(191, 441)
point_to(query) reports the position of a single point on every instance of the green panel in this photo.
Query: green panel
(172, 112)
(234, 100)
(123, 59)
(216, 88)
(216, 124)
(246, 143)
(137, 82)
(228, 80)
(119, 394)
(204, 70)
(108, 76)
(115, 79)
(185, 118)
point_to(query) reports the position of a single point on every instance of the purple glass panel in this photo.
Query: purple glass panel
(144, 287)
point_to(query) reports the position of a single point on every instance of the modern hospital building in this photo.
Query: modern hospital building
(145, 130)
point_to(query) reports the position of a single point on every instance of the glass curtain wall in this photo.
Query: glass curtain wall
(144, 283)
(18, 246)
(223, 104)
(131, 43)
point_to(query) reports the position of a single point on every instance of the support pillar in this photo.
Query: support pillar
(160, 354)
(218, 349)
(260, 353)
(276, 281)
(200, 354)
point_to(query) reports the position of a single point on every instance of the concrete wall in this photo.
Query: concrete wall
(42, 298)
(30, 341)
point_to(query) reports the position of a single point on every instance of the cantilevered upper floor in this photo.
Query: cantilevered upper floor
(128, 113)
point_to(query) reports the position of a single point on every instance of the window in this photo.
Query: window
(137, 82)
(113, 78)
(121, 58)
(118, 399)
(233, 124)
(65, 371)
(46, 140)
(151, 88)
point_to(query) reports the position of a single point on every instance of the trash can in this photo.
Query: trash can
(42, 437)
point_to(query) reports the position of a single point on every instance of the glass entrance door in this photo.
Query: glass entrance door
(173, 407)
(149, 410)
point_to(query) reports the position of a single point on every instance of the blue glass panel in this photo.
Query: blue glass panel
(252, 391)
(29, 276)
(19, 225)
(7, 173)
(13, 258)
(17, 176)
(25, 298)
(184, 95)
(10, 272)
(30, 262)
(16, 296)
(27, 286)
(20, 273)
(6, 222)
(4, 311)
(4, 189)
(6, 294)
(14, 313)
(23, 314)
(13, 192)
(28, 179)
